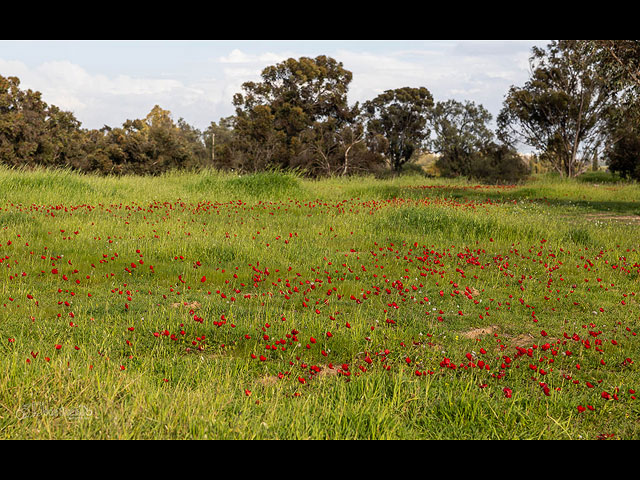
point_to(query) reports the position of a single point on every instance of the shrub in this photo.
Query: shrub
(499, 164)
(624, 156)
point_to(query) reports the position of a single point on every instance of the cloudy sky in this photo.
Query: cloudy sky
(108, 82)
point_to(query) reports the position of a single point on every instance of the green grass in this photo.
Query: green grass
(403, 272)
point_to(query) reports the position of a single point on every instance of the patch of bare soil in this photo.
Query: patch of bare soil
(480, 332)
(325, 371)
(190, 305)
(268, 380)
(631, 219)
(522, 340)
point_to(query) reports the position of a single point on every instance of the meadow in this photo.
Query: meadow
(216, 306)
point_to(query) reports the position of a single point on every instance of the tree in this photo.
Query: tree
(351, 136)
(461, 132)
(498, 164)
(152, 145)
(618, 63)
(22, 117)
(619, 60)
(293, 97)
(623, 149)
(321, 149)
(34, 133)
(337, 146)
(101, 152)
(400, 116)
(257, 144)
(562, 109)
(65, 139)
(624, 156)
(194, 142)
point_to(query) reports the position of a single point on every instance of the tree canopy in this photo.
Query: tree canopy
(400, 116)
(562, 109)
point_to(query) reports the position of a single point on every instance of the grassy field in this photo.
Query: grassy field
(272, 307)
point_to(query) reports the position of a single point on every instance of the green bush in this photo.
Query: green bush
(600, 177)
(499, 164)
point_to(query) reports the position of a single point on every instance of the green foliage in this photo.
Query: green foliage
(461, 134)
(400, 116)
(296, 117)
(562, 108)
(623, 155)
(499, 164)
(493, 164)
(619, 62)
(150, 146)
(600, 177)
(34, 133)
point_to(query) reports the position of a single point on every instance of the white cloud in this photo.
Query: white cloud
(477, 71)
(480, 72)
(237, 56)
(14, 68)
(97, 99)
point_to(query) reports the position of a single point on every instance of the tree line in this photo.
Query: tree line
(580, 105)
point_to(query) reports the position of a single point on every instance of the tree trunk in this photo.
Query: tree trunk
(576, 140)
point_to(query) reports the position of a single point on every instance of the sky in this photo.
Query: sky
(106, 82)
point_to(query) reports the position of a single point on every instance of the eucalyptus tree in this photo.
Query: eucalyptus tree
(400, 116)
(293, 97)
(619, 65)
(461, 133)
(561, 111)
